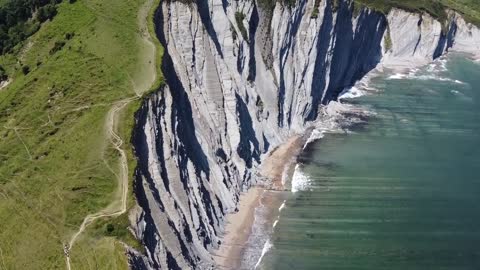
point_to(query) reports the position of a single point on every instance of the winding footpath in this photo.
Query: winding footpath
(119, 205)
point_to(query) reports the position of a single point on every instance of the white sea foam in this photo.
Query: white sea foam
(286, 172)
(434, 71)
(300, 181)
(439, 65)
(265, 249)
(454, 92)
(361, 88)
(282, 206)
(414, 76)
(413, 71)
(397, 76)
(275, 223)
(443, 65)
(352, 92)
(316, 135)
(461, 96)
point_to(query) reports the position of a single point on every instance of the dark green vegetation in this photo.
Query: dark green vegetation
(3, 74)
(239, 17)
(19, 19)
(269, 5)
(56, 165)
(470, 9)
(388, 40)
(432, 7)
(315, 9)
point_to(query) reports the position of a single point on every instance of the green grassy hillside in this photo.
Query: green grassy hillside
(56, 165)
(469, 8)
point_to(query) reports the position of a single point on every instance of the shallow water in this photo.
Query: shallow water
(403, 192)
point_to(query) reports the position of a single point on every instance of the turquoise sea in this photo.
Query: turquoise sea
(402, 191)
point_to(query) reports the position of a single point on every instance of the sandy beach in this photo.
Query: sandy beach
(237, 230)
(277, 166)
(280, 162)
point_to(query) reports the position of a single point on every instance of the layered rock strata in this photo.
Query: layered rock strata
(241, 78)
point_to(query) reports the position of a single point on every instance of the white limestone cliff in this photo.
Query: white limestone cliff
(236, 89)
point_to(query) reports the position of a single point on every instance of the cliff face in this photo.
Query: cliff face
(240, 80)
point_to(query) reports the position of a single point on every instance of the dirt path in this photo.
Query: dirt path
(142, 85)
(119, 205)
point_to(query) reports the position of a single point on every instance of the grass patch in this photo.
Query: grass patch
(470, 9)
(388, 40)
(239, 17)
(55, 165)
(314, 14)
(160, 79)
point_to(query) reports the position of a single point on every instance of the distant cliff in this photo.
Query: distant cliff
(241, 78)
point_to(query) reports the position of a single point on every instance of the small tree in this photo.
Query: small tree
(46, 12)
(3, 74)
(69, 36)
(57, 46)
(25, 70)
(110, 228)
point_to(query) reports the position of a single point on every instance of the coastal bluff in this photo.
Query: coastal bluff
(242, 78)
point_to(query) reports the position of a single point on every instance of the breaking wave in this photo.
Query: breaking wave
(282, 206)
(434, 71)
(361, 88)
(275, 223)
(265, 249)
(316, 135)
(352, 92)
(414, 76)
(300, 181)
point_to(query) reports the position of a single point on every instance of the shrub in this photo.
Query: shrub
(110, 228)
(3, 74)
(46, 13)
(57, 46)
(388, 40)
(17, 20)
(69, 36)
(25, 70)
(239, 17)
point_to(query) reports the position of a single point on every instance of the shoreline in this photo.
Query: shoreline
(276, 171)
(242, 246)
(237, 230)
(239, 248)
(277, 166)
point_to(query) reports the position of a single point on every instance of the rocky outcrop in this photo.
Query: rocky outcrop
(240, 79)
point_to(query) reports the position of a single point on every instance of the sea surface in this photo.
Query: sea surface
(402, 191)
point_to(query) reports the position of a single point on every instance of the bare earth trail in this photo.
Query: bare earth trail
(142, 85)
